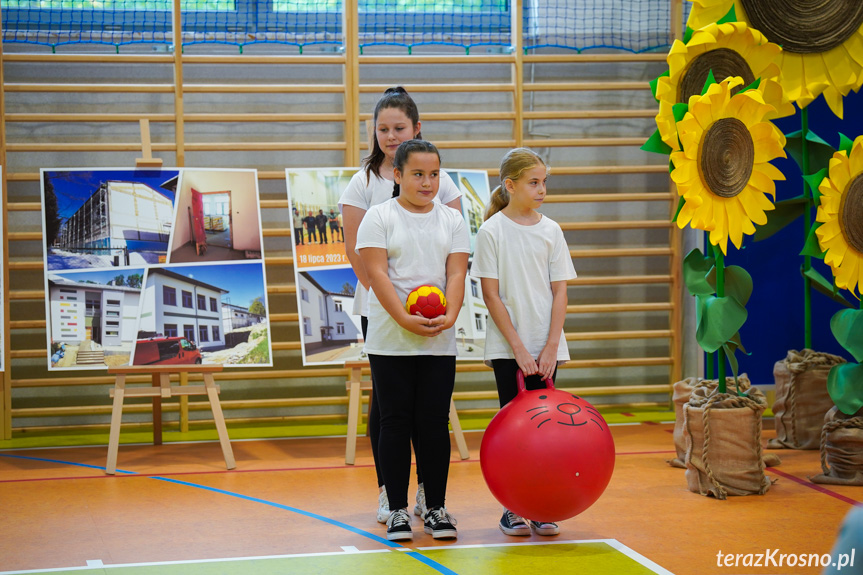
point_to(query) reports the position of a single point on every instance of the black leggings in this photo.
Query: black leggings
(505, 371)
(414, 392)
(373, 428)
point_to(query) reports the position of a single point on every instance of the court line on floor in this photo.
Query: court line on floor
(356, 530)
(613, 543)
(224, 471)
(813, 486)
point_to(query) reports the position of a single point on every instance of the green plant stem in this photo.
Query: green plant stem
(720, 292)
(807, 226)
(709, 366)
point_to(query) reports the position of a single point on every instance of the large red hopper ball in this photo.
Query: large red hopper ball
(547, 455)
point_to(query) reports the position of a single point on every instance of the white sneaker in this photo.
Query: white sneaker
(383, 506)
(420, 508)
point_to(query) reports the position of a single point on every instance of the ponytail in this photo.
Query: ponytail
(499, 200)
(512, 166)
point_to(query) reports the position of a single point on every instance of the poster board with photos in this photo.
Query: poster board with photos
(154, 267)
(330, 333)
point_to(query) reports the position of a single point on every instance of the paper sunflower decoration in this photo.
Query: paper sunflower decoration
(730, 49)
(840, 213)
(723, 172)
(822, 42)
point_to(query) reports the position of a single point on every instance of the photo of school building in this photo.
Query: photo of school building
(329, 330)
(177, 305)
(90, 320)
(123, 219)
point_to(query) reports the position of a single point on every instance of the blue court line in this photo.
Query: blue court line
(415, 555)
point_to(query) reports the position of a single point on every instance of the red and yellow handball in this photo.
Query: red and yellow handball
(429, 301)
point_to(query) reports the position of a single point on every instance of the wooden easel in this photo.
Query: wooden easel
(161, 388)
(148, 161)
(356, 385)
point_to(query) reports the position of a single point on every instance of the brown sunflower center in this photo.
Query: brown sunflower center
(724, 62)
(851, 214)
(805, 26)
(727, 157)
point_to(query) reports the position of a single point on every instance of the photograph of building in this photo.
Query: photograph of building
(92, 318)
(330, 332)
(218, 217)
(106, 218)
(187, 302)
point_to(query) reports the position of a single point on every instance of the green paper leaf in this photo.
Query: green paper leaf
(753, 86)
(738, 283)
(687, 35)
(814, 181)
(679, 110)
(731, 16)
(720, 319)
(845, 143)
(811, 247)
(786, 212)
(820, 151)
(711, 79)
(655, 82)
(655, 144)
(847, 328)
(824, 286)
(845, 386)
(695, 270)
(732, 361)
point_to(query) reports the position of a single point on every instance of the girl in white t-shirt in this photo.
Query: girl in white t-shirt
(523, 262)
(396, 119)
(406, 242)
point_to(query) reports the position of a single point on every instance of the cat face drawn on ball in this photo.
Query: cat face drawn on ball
(566, 412)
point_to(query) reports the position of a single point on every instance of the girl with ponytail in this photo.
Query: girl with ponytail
(522, 260)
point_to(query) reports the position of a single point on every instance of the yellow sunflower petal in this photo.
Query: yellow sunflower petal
(834, 99)
(706, 12)
(840, 172)
(770, 170)
(838, 67)
(846, 277)
(753, 211)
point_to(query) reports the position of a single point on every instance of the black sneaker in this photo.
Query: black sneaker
(545, 527)
(440, 524)
(399, 526)
(512, 524)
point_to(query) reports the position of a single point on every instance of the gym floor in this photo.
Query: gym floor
(293, 506)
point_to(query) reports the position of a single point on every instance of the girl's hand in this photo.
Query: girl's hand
(547, 362)
(424, 326)
(525, 361)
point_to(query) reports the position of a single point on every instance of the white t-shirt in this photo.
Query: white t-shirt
(378, 190)
(524, 260)
(417, 249)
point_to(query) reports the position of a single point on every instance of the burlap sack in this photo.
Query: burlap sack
(841, 449)
(801, 398)
(680, 395)
(723, 442)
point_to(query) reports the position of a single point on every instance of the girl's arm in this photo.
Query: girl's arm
(548, 355)
(351, 218)
(376, 266)
(455, 204)
(456, 270)
(498, 313)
